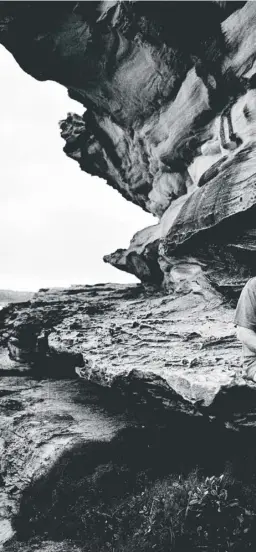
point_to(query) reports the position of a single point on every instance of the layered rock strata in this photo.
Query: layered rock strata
(98, 385)
(177, 351)
(92, 371)
(170, 123)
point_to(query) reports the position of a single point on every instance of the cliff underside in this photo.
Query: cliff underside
(127, 422)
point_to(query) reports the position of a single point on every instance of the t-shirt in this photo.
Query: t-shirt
(246, 316)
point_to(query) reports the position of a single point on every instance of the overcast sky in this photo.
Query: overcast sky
(56, 222)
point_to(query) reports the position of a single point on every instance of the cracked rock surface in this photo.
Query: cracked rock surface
(179, 350)
(99, 382)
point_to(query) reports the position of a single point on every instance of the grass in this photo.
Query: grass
(176, 514)
(184, 515)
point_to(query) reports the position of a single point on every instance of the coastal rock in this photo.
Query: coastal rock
(178, 352)
(130, 67)
(105, 384)
(141, 258)
(70, 456)
(169, 123)
(149, 159)
(42, 425)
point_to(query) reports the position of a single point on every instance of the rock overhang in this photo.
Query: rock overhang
(157, 128)
(154, 125)
(131, 67)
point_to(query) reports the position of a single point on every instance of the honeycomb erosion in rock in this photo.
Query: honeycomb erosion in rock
(170, 122)
(169, 119)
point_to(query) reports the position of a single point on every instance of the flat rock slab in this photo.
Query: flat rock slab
(65, 451)
(177, 351)
(40, 422)
(173, 357)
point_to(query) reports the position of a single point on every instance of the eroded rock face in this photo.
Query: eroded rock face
(141, 258)
(202, 170)
(178, 351)
(168, 120)
(129, 65)
(102, 383)
(170, 123)
(101, 380)
(41, 422)
(158, 151)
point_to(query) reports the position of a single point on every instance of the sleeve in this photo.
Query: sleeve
(245, 315)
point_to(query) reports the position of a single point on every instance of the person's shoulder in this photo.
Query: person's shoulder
(251, 284)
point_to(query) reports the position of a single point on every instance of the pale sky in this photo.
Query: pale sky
(56, 222)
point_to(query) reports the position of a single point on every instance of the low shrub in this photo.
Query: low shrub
(184, 515)
(175, 514)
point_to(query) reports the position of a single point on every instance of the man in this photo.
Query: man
(245, 320)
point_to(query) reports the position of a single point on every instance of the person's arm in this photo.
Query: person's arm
(247, 337)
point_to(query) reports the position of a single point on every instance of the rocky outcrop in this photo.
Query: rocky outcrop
(148, 363)
(102, 383)
(98, 381)
(71, 456)
(146, 157)
(101, 380)
(168, 121)
(201, 170)
(177, 352)
(141, 259)
(42, 424)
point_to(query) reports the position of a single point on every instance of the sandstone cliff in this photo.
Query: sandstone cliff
(169, 93)
(170, 108)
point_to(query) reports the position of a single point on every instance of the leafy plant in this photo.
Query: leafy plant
(217, 520)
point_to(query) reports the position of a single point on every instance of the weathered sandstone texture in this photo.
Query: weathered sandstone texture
(170, 96)
(176, 352)
(42, 423)
(169, 91)
(106, 385)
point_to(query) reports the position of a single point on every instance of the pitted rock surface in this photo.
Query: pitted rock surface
(40, 423)
(169, 123)
(178, 351)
